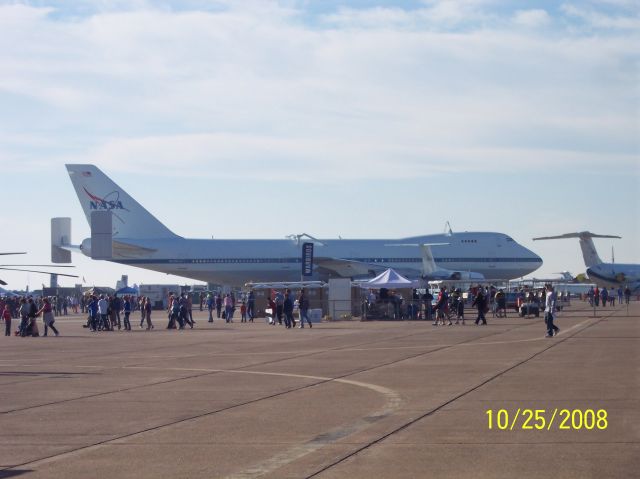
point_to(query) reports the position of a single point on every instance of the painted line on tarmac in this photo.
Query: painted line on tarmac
(392, 403)
(562, 331)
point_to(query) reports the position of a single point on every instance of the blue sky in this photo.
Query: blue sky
(362, 119)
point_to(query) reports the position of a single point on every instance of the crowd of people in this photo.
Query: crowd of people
(282, 306)
(597, 296)
(110, 312)
(27, 310)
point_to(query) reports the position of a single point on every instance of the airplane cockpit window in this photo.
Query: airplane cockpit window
(509, 238)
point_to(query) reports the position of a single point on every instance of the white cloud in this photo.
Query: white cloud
(257, 87)
(532, 18)
(601, 20)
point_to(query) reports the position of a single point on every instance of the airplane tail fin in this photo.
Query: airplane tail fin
(97, 192)
(566, 276)
(428, 262)
(589, 253)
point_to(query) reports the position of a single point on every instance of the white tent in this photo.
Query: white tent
(389, 279)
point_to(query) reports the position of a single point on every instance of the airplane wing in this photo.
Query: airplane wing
(128, 250)
(347, 268)
(4, 283)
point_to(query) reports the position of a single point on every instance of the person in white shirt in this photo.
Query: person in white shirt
(103, 312)
(549, 311)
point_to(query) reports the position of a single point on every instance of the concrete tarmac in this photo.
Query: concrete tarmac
(345, 399)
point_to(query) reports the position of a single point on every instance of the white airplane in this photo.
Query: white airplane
(124, 232)
(603, 274)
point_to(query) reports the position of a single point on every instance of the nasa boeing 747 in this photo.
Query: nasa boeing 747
(132, 236)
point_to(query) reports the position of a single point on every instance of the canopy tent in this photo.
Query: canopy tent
(127, 290)
(389, 279)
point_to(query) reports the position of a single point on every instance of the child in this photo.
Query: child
(243, 313)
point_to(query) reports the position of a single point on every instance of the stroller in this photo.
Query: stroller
(28, 327)
(269, 316)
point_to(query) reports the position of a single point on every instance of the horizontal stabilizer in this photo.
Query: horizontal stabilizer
(581, 235)
(60, 237)
(589, 253)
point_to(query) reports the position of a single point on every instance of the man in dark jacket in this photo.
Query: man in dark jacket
(287, 309)
(480, 302)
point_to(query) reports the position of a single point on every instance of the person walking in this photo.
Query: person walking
(113, 315)
(147, 312)
(480, 302)
(604, 295)
(23, 311)
(550, 311)
(442, 306)
(251, 305)
(126, 310)
(303, 308)
(228, 309)
(460, 308)
(47, 317)
(142, 312)
(92, 309)
(211, 303)
(189, 305)
(103, 312)
(287, 309)
(218, 304)
(116, 306)
(620, 294)
(612, 297)
(6, 315)
(279, 300)
(272, 307)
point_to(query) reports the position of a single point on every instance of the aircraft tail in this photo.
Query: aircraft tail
(589, 253)
(97, 192)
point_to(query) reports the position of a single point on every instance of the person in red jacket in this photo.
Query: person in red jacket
(6, 315)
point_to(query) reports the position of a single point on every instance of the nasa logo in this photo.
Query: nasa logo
(109, 202)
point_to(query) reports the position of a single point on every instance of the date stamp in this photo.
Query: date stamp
(546, 419)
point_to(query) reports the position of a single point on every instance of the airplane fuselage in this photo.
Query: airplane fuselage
(234, 261)
(614, 275)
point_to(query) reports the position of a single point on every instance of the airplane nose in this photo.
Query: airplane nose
(534, 259)
(538, 259)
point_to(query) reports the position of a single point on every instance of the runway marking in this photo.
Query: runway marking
(294, 453)
(562, 331)
(393, 402)
(424, 346)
